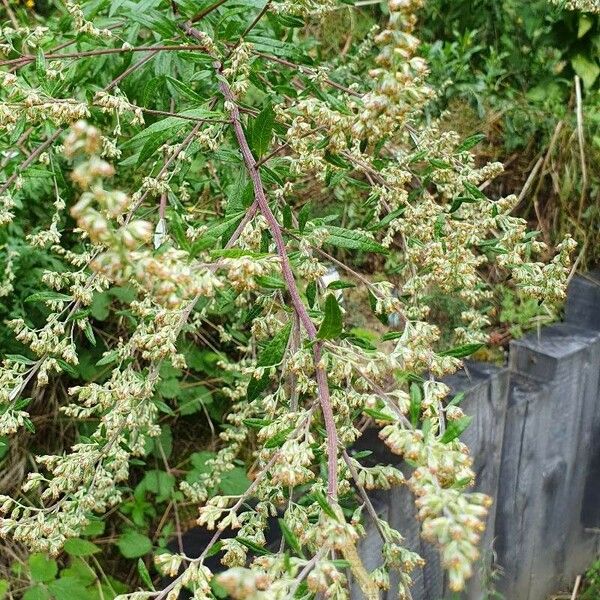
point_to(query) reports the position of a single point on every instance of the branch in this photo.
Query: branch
(288, 275)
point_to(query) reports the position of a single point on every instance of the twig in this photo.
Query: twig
(531, 178)
(30, 159)
(207, 11)
(576, 588)
(100, 52)
(302, 69)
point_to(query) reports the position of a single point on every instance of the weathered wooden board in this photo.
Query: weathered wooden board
(583, 300)
(542, 543)
(486, 388)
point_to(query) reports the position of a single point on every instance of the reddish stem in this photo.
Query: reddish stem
(288, 275)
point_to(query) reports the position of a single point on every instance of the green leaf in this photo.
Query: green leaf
(193, 399)
(67, 368)
(19, 358)
(290, 537)
(584, 24)
(474, 191)
(256, 423)
(352, 240)
(260, 550)
(303, 217)
(89, 333)
(332, 325)
(133, 544)
(184, 90)
(274, 351)
(235, 482)
(36, 593)
(155, 141)
(325, 506)
(340, 285)
(279, 438)
(262, 131)
(470, 142)
(48, 296)
(459, 201)
(462, 351)
(40, 63)
(270, 282)
(69, 588)
(108, 358)
(586, 68)
(80, 570)
(378, 415)
(311, 293)
(79, 547)
(94, 528)
(257, 386)
(416, 398)
(99, 308)
(144, 575)
(455, 428)
(159, 483)
(3, 588)
(42, 568)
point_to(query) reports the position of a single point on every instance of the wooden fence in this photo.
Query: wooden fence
(535, 438)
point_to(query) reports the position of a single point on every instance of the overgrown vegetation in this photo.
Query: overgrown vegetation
(177, 178)
(508, 69)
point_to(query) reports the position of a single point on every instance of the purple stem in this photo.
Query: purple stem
(288, 275)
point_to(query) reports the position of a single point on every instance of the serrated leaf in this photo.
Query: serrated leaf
(352, 240)
(42, 568)
(69, 588)
(235, 482)
(37, 592)
(332, 324)
(279, 438)
(48, 296)
(274, 351)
